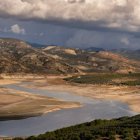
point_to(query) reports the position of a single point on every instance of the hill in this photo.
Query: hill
(18, 56)
(94, 49)
(117, 129)
(131, 54)
(93, 61)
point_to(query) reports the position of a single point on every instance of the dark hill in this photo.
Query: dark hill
(117, 129)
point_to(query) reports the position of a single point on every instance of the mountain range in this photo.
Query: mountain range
(18, 56)
(132, 54)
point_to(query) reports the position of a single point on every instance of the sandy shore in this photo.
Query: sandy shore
(129, 95)
(17, 105)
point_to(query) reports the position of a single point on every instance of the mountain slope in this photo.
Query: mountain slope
(19, 57)
(126, 128)
(93, 61)
(132, 54)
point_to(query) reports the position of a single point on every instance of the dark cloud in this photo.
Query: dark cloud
(73, 23)
(107, 40)
(114, 14)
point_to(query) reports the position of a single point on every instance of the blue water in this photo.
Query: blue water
(92, 109)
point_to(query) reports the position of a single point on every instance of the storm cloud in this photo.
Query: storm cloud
(113, 14)
(106, 40)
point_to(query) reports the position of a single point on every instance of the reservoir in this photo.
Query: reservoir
(92, 109)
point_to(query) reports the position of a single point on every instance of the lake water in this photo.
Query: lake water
(92, 109)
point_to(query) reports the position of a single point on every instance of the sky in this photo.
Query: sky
(105, 24)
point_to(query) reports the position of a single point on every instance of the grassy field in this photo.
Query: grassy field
(117, 129)
(132, 79)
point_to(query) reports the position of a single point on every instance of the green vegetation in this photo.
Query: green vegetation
(131, 79)
(123, 129)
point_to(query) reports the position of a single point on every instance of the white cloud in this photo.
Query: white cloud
(125, 41)
(118, 14)
(17, 29)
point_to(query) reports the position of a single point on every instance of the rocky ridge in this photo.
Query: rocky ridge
(17, 56)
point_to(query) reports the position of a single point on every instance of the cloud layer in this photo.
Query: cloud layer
(106, 40)
(115, 14)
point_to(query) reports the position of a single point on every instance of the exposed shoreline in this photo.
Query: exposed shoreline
(16, 104)
(128, 95)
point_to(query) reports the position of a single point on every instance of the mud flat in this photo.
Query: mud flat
(16, 104)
